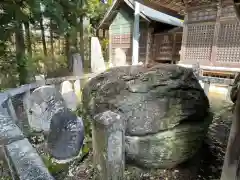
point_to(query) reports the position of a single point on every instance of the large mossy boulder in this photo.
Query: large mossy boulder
(166, 111)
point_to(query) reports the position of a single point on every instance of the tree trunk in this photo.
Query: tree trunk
(59, 46)
(28, 39)
(43, 36)
(82, 41)
(20, 54)
(67, 51)
(51, 39)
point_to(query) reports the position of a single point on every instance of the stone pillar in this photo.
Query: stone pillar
(228, 96)
(77, 65)
(196, 70)
(40, 79)
(109, 146)
(11, 109)
(206, 87)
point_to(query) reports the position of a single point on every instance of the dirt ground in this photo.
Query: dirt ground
(206, 165)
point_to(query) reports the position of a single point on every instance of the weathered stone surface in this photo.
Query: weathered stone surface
(108, 146)
(235, 88)
(153, 100)
(168, 148)
(97, 61)
(44, 102)
(66, 135)
(26, 161)
(69, 95)
(9, 131)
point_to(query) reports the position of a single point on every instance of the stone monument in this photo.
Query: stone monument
(97, 60)
(44, 102)
(165, 109)
(69, 95)
(66, 135)
(119, 58)
(48, 113)
(77, 65)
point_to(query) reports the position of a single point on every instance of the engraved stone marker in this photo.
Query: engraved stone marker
(69, 95)
(97, 61)
(44, 102)
(66, 135)
(119, 58)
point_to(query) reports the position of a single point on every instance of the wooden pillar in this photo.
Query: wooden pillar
(213, 57)
(184, 38)
(148, 44)
(135, 46)
(173, 48)
(110, 47)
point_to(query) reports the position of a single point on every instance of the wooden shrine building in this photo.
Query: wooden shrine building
(211, 34)
(160, 35)
(211, 38)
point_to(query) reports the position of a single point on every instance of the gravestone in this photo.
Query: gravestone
(119, 58)
(97, 60)
(77, 64)
(69, 95)
(66, 135)
(44, 102)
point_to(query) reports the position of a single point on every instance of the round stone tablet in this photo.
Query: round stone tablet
(66, 135)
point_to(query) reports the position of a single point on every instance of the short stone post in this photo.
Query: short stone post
(196, 70)
(206, 87)
(40, 79)
(109, 146)
(228, 96)
(11, 109)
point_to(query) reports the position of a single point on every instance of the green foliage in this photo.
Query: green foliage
(57, 170)
(81, 112)
(39, 64)
(18, 64)
(104, 43)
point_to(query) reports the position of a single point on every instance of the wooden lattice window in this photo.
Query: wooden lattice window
(163, 46)
(227, 11)
(199, 42)
(116, 39)
(126, 39)
(202, 15)
(228, 44)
